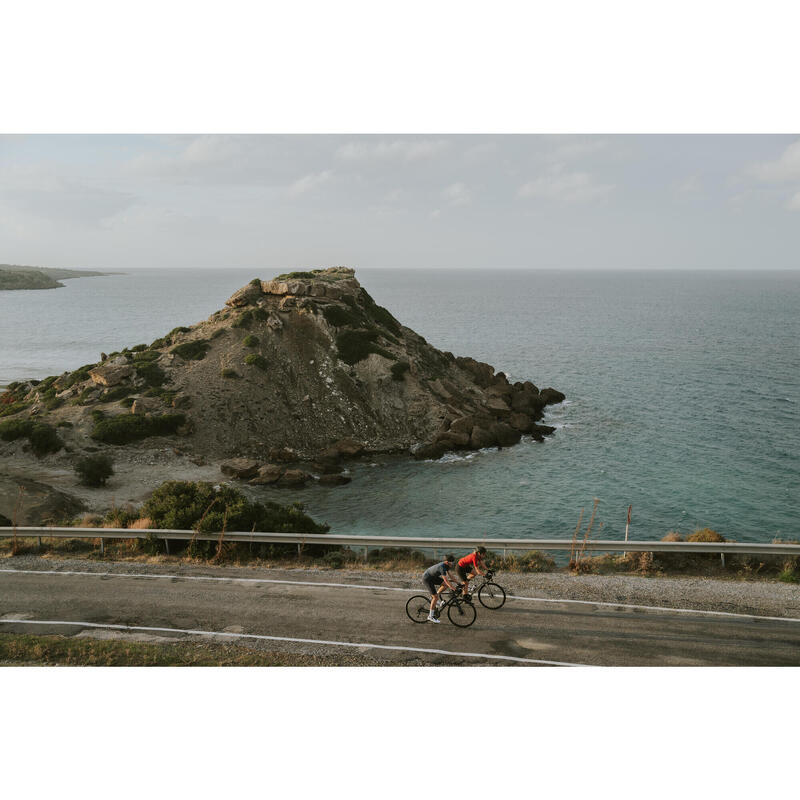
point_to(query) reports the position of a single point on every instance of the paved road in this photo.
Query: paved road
(523, 632)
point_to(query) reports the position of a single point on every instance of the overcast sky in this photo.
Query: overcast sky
(275, 202)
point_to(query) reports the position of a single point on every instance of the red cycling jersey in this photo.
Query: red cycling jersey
(472, 558)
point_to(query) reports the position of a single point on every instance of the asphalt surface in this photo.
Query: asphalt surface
(371, 621)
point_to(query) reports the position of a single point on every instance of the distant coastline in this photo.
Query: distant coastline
(14, 276)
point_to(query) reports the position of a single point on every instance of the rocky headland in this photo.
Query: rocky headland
(290, 379)
(13, 276)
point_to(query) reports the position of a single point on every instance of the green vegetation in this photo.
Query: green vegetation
(12, 400)
(289, 276)
(138, 348)
(356, 345)
(255, 360)
(179, 329)
(78, 376)
(131, 427)
(42, 437)
(378, 313)
(192, 351)
(227, 372)
(339, 317)
(117, 393)
(94, 470)
(399, 370)
(217, 333)
(150, 372)
(163, 341)
(256, 282)
(148, 354)
(26, 279)
(246, 318)
(250, 341)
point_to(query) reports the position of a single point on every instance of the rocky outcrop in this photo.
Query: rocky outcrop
(302, 371)
(32, 503)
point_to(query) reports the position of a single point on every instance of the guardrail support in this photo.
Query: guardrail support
(102, 546)
(366, 554)
(40, 543)
(722, 559)
(166, 545)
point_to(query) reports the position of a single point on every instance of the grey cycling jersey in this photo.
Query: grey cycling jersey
(436, 572)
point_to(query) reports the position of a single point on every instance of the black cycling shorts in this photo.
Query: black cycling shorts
(463, 571)
(433, 584)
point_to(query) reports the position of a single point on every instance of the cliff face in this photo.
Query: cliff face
(301, 362)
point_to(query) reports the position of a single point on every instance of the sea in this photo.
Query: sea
(683, 393)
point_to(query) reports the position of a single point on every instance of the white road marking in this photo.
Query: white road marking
(290, 639)
(420, 590)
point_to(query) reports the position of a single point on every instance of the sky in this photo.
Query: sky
(422, 201)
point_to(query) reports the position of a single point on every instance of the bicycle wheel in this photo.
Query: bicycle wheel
(491, 595)
(418, 607)
(461, 614)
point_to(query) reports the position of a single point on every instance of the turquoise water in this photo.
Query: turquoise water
(683, 393)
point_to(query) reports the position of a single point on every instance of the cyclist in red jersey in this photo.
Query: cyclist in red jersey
(470, 566)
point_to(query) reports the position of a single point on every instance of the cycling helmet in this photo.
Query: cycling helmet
(482, 550)
(449, 558)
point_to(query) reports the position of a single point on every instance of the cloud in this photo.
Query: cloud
(309, 182)
(794, 202)
(565, 187)
(690, 185)
(785, 168)
(457, 194)
(570, 150)
(405, 150)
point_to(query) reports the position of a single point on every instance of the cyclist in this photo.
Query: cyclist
(435, 578)
(470, 566)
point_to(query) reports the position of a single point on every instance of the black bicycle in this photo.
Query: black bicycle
(490, 594)
(460, 610)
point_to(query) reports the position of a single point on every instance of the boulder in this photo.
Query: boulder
(274, 322)
(454, 440)
(482, 373)
(527, 402)
(482, 437)
(274, 287)
(268, 474)
(241, 468)
(462, 425)
(36, 503)
(282, 454)
(293, 478)
(497, 407)
(551, 396)
(431, 451)
(110, 374)
(542, 430)
(506, 435)
(500, 390)
(326, 466)
(334, 480)
(520, 422)
(246, 296)
(348, 447)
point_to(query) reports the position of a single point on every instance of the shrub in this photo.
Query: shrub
(64, 424)
(250, 341)
(227, 372)
(130, 427)
(255, 360)
(244, 320)
(192, 351)
(137, 348)
(186, 505)
(147, 355)
(117, 393)
(79, 375)
(94, 470)
(288, 276)
(161, 342)
(179, 329)
(42, 437)
(151, 373)
(339, 317)
(378, 313)
(705, 535)
(672, 536)
(354, 346)
(399, 370)
(256, 282)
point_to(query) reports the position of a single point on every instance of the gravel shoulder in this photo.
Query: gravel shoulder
(759, 598)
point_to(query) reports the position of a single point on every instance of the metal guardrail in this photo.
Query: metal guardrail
(411, 542)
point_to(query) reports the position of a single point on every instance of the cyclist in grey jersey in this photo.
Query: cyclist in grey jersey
(435, 578)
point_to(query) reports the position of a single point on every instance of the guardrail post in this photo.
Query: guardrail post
(102, 546)
(166, 545)
(722, 559)
(366, 554)
(40, 543)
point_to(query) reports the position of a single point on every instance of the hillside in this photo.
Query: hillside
(13, 276)
(302, 367)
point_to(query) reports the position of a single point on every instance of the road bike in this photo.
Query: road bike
(490, 594)
(460, 610)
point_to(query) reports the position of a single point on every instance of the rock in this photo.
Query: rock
(500, 390)
(454, 440)
(103, 357)
(293, 478)
(326, 466)
(37, 504)
(334, 480)
(432, 451)
(282, 454)
(527, 402)
(482, 373)
(498, 407)
(241, 468)
(481, 437)
(274, 322)
(268, 474)
(506, 435)
(110, 374)
(520, 422)
(348, 447)
(463, 425)
(542, 430)
(245, 296)
(551, 396)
